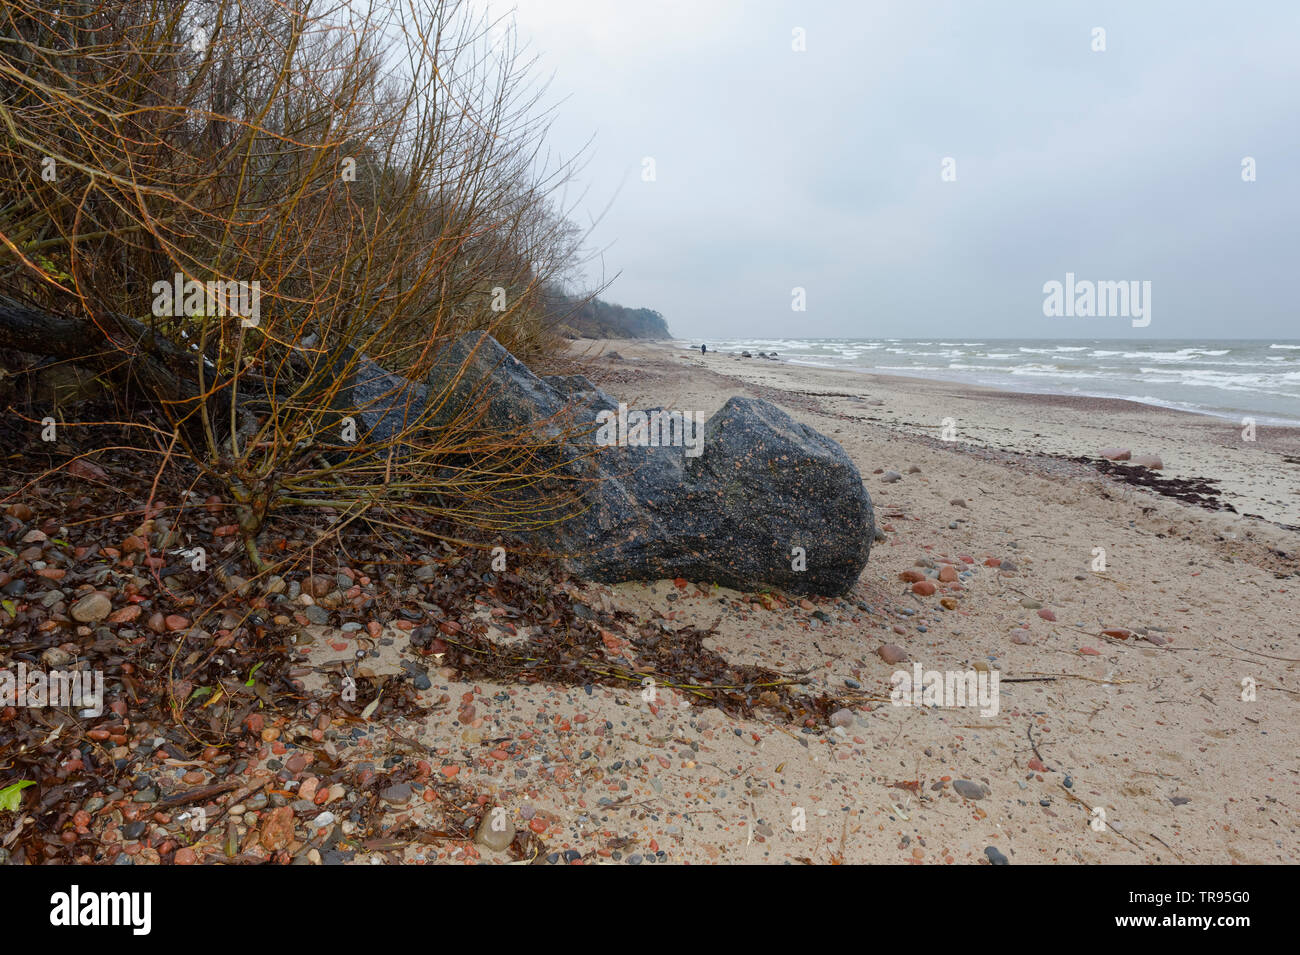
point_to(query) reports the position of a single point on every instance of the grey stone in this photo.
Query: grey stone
(763, 485)
(398, 793)
(969, 790)
(388, 403)
(92, 608)
(56, 658)
(498, 840)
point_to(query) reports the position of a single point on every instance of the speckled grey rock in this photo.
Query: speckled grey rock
(733, 515)
(388, 403)
(763, 486)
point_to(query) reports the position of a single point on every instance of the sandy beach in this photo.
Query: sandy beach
(1134, 746)
(1129, 641)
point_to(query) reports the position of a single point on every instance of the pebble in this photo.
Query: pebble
(92, 608)
(842, 717)
(892, 653)
(995, 857)
(56, 658)
(277, 829)
(889, 477)
(398, 793)
(968, 790)
(498, 840)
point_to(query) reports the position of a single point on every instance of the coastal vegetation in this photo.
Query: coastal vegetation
(228, 211)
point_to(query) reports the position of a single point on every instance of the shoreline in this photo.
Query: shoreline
(1260, 478)
(1261, 418)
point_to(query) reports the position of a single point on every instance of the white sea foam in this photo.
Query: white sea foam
(1227, 378)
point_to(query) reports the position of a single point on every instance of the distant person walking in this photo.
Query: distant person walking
(703, 349)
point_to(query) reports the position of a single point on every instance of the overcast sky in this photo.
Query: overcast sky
(823, 169)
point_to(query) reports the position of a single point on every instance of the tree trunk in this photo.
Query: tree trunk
(124, 348)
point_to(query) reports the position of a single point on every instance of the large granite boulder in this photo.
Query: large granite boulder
(761, 501)
(388, 403)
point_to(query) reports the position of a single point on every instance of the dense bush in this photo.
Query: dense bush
(364, 181)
